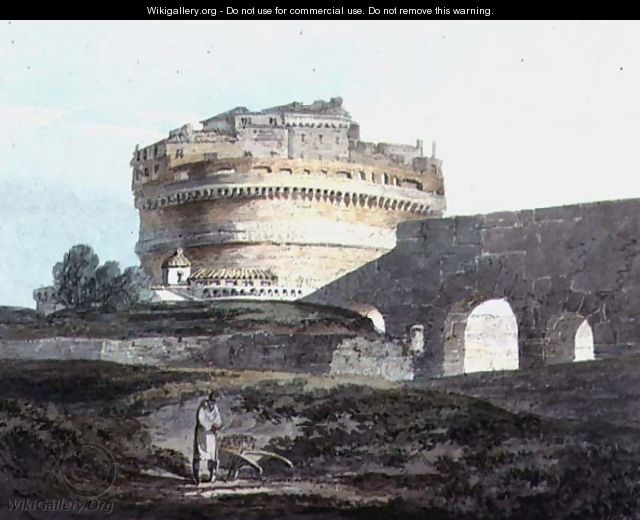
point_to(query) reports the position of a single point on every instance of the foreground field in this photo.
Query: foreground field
(359, 451)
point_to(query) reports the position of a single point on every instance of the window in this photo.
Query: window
(337, 140)
(302, 138)
(146, 172)
(156, 168)
(144, 155)
(179, 153)
(155, 151)
(320, 138)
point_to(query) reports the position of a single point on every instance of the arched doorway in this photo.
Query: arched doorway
(491, 338)
(584, 343)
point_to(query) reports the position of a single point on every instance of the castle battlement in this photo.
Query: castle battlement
(321, 131)
(290, 189)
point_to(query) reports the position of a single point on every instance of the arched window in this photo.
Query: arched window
(491, 338)
(584, 343)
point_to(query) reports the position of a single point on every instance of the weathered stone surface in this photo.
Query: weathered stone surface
(467, 231)
(381, 359)
(582, 259)
(260, 351)
(501, 219)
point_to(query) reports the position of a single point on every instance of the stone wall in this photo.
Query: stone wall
(373, 358)
(336, 354)
(551, 265)
(252, 351)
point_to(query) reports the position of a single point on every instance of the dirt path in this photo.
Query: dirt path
(176, 489)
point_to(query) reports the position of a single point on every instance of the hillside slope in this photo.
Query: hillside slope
(593, 393)
(186, 319)
(359, 451)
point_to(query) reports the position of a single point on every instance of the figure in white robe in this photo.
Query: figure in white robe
(205, 439)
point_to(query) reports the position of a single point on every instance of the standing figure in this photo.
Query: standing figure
(205, 441)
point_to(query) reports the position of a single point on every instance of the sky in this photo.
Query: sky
(525, 114)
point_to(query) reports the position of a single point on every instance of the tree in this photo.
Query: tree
(74, 277)
(82, 283)
(128, 288)
(106, 281)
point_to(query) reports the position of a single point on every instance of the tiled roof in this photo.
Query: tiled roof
(232, 273)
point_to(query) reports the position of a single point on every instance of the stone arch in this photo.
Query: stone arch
(372, 313)
(564, 333)
(480, 334)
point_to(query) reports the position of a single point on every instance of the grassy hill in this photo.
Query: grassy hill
(359, 451)
(185, 319)
(594, 393)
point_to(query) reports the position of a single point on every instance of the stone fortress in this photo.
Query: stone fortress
(274, 204)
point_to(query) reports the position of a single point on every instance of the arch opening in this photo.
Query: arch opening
(568, 337)
(583, 340)
(491, 338)
(373, 314)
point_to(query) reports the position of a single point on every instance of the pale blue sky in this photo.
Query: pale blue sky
(525, 114)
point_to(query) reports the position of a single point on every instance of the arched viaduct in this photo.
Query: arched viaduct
(556, 267)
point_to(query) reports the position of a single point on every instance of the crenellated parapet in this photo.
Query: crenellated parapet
(321, 131)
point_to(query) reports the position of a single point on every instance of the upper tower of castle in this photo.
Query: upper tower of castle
(322, 131)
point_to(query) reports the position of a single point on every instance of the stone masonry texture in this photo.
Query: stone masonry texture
(553, 266)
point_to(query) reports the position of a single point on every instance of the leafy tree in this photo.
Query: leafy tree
(74, 277)
(128, 288)
(81, 282)
(106, 280)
